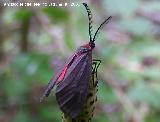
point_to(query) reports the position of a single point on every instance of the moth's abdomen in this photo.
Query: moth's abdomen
(87, 112)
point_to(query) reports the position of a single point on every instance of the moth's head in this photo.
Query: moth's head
(91, 44)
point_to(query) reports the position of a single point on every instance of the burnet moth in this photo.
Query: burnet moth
(72, 81)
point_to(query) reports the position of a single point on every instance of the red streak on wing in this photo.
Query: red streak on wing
(64, 71)
(62, 75)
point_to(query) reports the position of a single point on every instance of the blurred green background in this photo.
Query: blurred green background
(36, 41)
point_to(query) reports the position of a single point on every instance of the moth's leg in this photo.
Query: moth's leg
(93, 70)
(96, 63)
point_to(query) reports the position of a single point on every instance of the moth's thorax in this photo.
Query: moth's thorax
(85, 48)
(90, 45)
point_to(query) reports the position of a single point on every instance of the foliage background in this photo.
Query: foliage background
(35, 41)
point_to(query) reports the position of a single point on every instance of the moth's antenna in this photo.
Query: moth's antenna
(90, 20)
(101, 26)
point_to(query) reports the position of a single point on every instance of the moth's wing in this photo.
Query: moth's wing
(71, 96)
(52, 82)
(72, 70)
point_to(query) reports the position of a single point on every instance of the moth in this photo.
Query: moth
(72, 81)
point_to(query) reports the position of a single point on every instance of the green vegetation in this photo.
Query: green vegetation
(35, 42)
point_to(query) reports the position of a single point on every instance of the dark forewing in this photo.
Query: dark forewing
(52, 82)
(72, 91)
